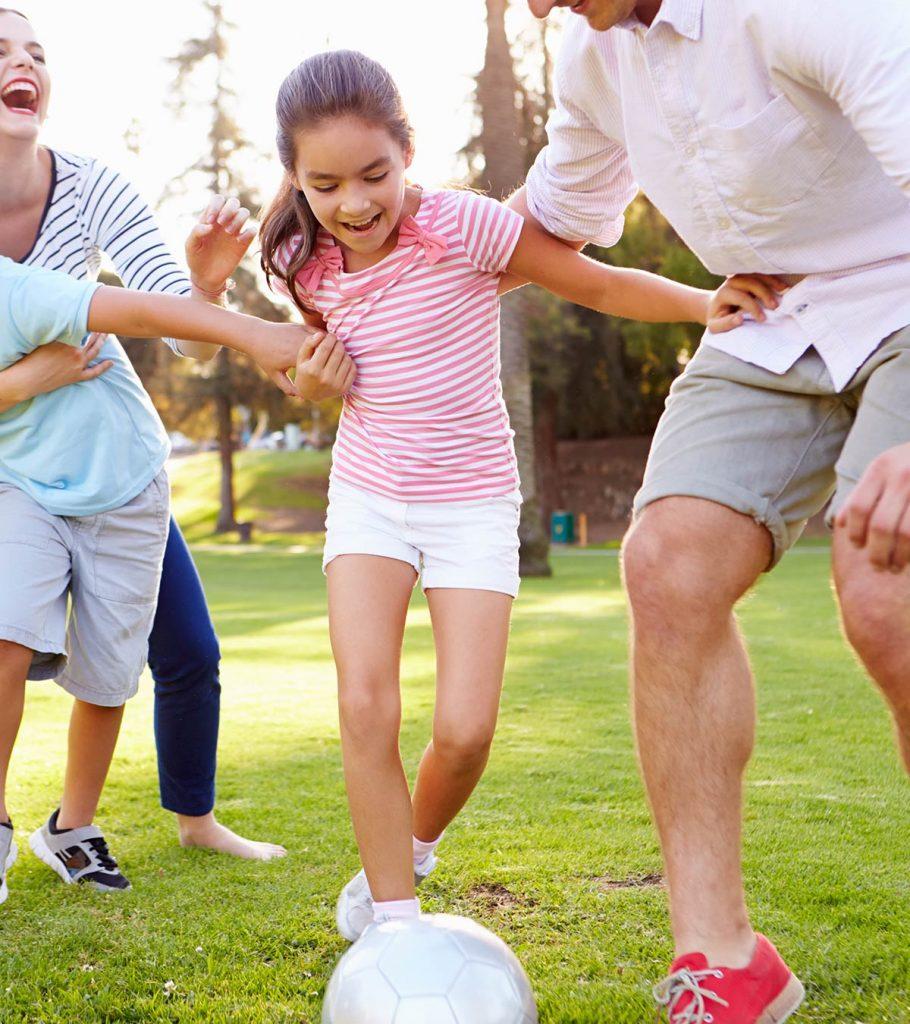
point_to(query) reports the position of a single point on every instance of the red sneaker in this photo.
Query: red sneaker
(765, 992)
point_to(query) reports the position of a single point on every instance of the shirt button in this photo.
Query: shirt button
(691, 151)
(724, 224)
(801, 308)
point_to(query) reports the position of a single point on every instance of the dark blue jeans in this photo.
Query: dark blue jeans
(184, 658)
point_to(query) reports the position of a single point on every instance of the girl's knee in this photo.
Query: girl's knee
(367, 714)
(464, 745)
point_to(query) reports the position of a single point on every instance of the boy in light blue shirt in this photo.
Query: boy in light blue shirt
(86, 448)
(83, 522)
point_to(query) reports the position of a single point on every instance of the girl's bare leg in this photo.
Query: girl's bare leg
(471, 628)
(368, 603)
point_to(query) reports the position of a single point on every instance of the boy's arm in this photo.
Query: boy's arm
(544, 260)
(142, 315)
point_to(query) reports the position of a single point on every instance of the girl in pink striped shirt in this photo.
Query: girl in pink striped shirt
(424, 479)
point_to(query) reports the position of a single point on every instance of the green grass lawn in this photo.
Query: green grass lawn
(555, 852)
(277, 491)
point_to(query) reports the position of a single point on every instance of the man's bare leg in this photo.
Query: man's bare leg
(875, 607)
(686, 563)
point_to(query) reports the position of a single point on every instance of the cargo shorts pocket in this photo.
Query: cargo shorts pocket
(127, 548)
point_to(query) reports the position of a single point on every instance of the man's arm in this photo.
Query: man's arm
(859, 55)
(581, 182)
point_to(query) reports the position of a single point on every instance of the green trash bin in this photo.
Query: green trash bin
(562, 527)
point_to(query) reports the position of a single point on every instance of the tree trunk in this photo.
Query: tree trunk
(546, 409)
(516, 385)
(227, 518)
(504, 158)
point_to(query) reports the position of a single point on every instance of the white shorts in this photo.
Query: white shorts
(465, 545)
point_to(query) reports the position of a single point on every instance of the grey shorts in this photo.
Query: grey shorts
(777, 447)
(104, 568)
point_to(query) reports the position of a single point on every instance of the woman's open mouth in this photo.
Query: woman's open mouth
(20, 96)
(361, 227)
(580, 7)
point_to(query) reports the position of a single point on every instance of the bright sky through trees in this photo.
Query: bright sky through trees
(110, 74)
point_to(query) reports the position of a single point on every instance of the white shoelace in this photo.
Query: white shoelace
(686, 982)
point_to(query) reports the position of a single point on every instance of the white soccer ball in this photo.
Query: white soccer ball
(436, 969)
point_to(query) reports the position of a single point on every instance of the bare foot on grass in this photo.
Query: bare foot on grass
(204, 832)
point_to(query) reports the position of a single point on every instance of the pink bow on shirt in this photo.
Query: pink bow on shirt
(434, 246)
(311, 275)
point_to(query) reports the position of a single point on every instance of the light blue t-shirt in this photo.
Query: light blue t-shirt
(85, 448)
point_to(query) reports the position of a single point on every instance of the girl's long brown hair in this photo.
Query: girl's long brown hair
(339, 83)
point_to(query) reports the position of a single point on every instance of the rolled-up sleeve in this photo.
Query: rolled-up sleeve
(581, 182)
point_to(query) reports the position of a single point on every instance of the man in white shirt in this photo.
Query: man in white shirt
(773, 136)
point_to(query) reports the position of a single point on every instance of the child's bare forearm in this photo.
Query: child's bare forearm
(638, 295)
(618, 291)
(143, 315)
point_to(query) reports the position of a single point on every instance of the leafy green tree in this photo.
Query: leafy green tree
(202, 70)
(216, 165)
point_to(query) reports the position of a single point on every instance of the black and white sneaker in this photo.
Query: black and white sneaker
(8, 853)
(78, 855)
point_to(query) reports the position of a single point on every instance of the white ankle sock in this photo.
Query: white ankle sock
(424, 850)
(395, 910)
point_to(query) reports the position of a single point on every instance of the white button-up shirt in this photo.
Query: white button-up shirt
(774, 135)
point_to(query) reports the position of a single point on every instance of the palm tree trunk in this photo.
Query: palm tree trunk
(504, 158)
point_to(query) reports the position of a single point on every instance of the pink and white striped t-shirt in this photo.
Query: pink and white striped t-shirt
(425, 419)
